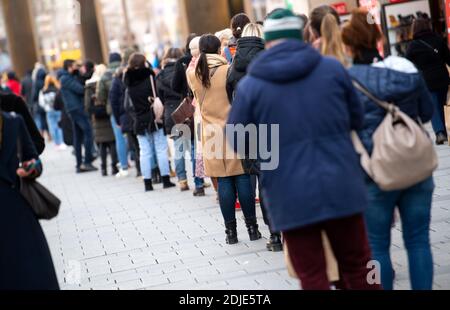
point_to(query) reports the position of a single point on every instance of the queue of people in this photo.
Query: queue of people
(292, 71)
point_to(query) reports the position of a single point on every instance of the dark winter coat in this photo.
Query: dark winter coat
(13, 103)
(247, 49)
(25, 260)
(139, 87)
(312, 100)
(65, 123)
(27, 90)
(407, 90)
(170, 98)
(432, 65)
(116, 98)
(179, 82)
(103, 131)
(72, 92)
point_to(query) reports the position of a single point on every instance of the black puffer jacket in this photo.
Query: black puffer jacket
(432, 65)
(179, 81)
(139, 88)
(247, 49)
(170, 98)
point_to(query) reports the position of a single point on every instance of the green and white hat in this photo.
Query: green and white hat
(283, 24)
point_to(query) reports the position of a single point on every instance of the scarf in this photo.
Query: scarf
(215, 60)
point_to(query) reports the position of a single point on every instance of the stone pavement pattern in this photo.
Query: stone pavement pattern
(111, 235)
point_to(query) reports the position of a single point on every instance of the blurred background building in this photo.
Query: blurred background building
(50, 31)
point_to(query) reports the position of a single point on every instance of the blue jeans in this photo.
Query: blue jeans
(230, 188)
(121, 145)
(439, 101)
(414, 205)
(82, 134)
(181, 146)
(53, 118)
(149, 144)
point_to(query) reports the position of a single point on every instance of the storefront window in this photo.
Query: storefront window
(152, 26)
(57, 33)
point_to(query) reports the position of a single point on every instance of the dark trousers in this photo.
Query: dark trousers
(256, 181)
(133, 146)
(104, 148)
(348, 239)
(82, 134)
(237, 186)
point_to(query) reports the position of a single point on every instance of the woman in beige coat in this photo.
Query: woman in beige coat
(208, 82)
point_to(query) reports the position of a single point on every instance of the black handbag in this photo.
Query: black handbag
(44, 204)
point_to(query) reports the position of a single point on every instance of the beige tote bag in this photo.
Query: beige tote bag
(403, 153)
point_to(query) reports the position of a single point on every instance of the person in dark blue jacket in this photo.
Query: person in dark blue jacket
(319, 184)
(123, 118)
(25, 259)
(73, 95)
(395, 80)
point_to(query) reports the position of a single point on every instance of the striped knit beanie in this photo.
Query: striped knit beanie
(283, 24)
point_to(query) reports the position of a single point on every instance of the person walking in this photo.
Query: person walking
(306, 194)
(25, 262)
(101, 120)
(208, 83)
(248, 47)
(103, 91)
(47, 99)
(430, 53)
(138, 79)
(398, 81)
(72, 92)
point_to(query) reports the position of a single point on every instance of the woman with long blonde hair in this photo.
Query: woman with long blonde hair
(47, 99)
(325, 33)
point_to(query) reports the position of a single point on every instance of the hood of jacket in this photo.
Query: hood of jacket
(395, 79)
(134, 77)
(289, 61)
(247, 49)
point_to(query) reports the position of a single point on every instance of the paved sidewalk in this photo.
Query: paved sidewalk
(111, 235)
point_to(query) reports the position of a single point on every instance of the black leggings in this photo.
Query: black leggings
(104, 147)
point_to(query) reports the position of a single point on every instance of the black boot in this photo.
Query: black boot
(441, 138)
(104, 171)
(156, 176)
(167, 183)
(231, 233)
(115, 170)
(275, 244)
(252, 227)
(148, 185)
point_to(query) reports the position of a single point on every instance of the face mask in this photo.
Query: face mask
(76, 72)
